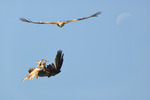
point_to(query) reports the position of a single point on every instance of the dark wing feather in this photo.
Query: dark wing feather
(94, 15)
(59, 60)
(52, 69)
(42, 73)
(29, 21)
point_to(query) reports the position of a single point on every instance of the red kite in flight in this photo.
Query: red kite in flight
(50, 70)
(60, 23)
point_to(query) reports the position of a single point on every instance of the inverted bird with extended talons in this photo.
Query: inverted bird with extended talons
(49, 70)
(60, 23)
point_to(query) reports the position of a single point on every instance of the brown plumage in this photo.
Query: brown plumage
(60, 23)
(51, 69)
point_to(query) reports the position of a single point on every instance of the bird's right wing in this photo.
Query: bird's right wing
(40, 22)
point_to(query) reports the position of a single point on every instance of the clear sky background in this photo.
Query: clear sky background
(105, 58)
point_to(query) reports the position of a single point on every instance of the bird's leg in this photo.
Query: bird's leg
(44, 65)
(39, 62)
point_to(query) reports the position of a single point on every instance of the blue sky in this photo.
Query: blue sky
(105, 58)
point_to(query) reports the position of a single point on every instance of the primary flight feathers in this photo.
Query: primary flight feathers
(50, 70)
(60, 23)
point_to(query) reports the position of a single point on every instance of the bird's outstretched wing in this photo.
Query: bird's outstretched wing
(32, 74)
(34, 71)
(59, 60)
(40, 22)
(94, 15)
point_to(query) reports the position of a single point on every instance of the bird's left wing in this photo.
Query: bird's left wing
(32, 74)
(94, 15)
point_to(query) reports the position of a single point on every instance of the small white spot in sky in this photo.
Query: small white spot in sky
(121, 17)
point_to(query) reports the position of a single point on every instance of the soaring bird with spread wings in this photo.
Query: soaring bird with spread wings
(60, 23)
(51, 70)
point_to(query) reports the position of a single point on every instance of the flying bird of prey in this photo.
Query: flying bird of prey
(60, 23)
(49, 70)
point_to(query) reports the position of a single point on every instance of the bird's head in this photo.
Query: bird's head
(61, 24)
